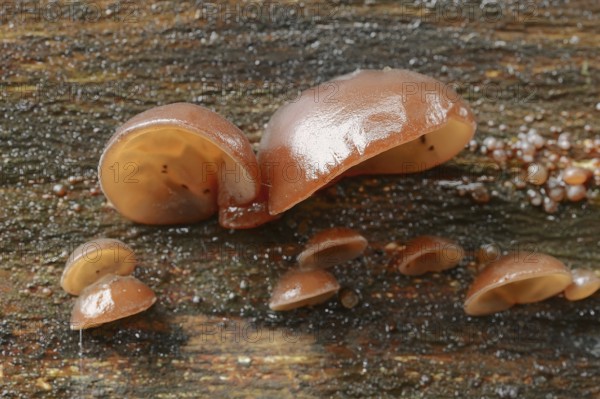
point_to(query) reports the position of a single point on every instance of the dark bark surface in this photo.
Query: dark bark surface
(69, 79)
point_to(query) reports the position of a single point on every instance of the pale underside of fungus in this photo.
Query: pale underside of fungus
(178, 163)
(93, 260)
(517, 278)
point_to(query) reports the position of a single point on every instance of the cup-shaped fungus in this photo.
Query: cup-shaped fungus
(585, 283)
(178, 163)
(331, 247)
(298, 288)
(93, 260)
(367, 122)
(110, 298)
(428, 254)
(516, 278)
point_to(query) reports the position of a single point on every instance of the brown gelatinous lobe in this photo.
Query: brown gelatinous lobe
(93, 260)
(585, 284)
(178, 163)
(299, 288)
(331, 247)
(367, 122)
(249, 215)
(110, 298)
(516, 278)
(428, 254)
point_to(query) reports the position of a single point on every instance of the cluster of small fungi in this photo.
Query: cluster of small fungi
(504, 281)
(99, 273)
(521, 278)
(182, 163)
(547, 168)
(310, 284)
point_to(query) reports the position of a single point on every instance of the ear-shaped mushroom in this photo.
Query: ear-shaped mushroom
(366, 122)
(429, 254)
(585, 284)
(178, 163)
(331, 247)
(516, 279)
(298, 288)
(93, 260)
(109, 299)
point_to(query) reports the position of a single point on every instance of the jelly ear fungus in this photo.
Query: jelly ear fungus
(178, 163)
(372, 122)
(110, 298)
(516, 278)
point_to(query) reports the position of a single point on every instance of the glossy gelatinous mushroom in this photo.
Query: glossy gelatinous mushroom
(298, 288)
(249, 215)
(178, 163)
(367, 122)
(331, 247)
(109, 299)
(93, 260)
(516, 278)
(428, 254)
(585, 283)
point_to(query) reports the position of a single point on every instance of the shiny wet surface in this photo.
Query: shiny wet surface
(68, 86)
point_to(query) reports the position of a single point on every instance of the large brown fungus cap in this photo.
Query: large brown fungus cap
(178, 163)
(367, 122)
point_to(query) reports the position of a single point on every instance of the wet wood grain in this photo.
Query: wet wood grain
(68, 80)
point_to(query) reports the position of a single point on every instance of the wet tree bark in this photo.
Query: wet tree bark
(69, 78)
